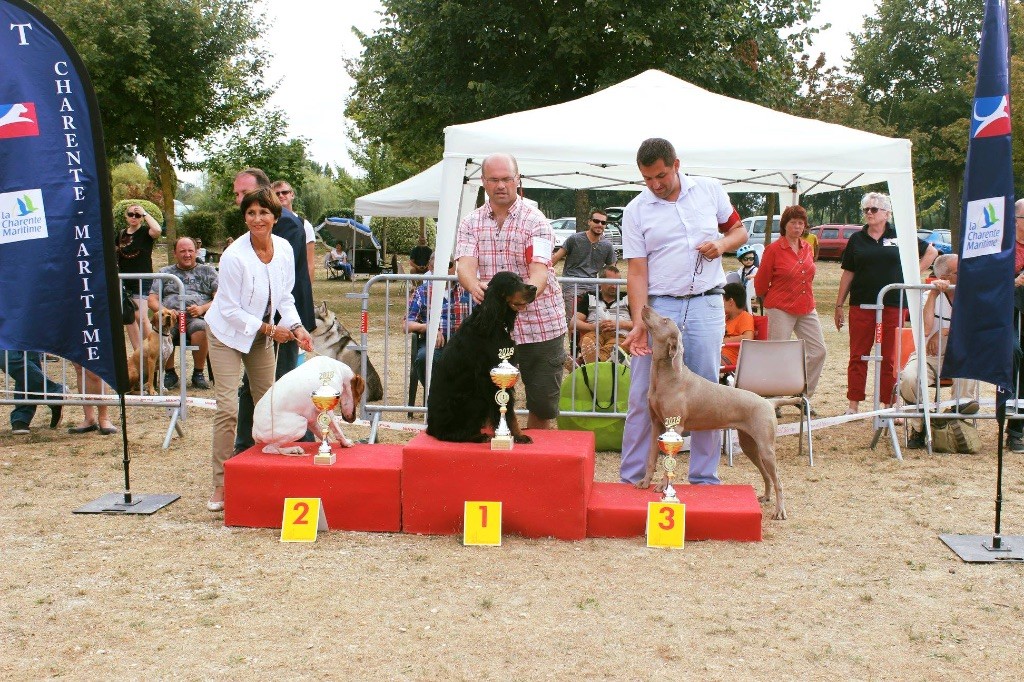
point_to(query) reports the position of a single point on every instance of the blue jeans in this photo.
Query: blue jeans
(702, 321)
(287, 360)
(26, 371)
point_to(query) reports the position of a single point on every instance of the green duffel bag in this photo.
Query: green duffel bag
(611, 382)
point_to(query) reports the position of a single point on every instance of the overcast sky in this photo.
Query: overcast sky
(310, 38)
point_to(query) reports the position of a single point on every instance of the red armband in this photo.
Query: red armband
(731, 220)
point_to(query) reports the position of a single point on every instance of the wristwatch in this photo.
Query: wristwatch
(294, 327)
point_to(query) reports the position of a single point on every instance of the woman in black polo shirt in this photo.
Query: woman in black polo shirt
(870, 262)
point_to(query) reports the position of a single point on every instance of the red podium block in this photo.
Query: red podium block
(713, 512)
(361, 491)
(543, 487)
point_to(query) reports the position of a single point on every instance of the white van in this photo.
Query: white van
(755, 227)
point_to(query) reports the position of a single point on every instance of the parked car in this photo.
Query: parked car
(614, 214)
(755, 228)
(942, 240)
(563, 229)
(832, 239)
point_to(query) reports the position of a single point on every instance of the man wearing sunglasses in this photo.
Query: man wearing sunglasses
(286, 195)
(585, 253)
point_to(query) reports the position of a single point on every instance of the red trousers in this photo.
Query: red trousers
(862, 337)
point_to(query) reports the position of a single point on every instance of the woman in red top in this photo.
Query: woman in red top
(784, 282)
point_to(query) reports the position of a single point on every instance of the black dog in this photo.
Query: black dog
(461, 400)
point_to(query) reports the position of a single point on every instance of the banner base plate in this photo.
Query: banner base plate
(113, 503)
(977, 549)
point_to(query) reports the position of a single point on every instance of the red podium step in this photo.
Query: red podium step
(713, 512)
(361, 491)
(543, 487)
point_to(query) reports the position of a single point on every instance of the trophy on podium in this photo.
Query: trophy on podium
(504, 376)
(670, 443)
(325, 398)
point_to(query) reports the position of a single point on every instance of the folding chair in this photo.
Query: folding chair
(776, 369)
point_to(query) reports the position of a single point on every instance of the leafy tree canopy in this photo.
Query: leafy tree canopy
(436, 63)
(167, 72)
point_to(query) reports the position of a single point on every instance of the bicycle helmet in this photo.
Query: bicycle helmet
(744, 250)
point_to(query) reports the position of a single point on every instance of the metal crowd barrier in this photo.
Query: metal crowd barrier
(930, 396)
(61, 370)
(389, 337)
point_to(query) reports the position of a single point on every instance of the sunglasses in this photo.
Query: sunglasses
(133, 215)
(283, 193)
(873, 209)
(599, 222)
(750, 258)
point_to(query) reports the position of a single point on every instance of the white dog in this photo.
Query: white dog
(285, 412)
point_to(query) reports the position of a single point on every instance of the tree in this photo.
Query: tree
(258, 141)
(435, 63)
(167, 72)
(916, 61)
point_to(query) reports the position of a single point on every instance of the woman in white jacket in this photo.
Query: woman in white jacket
(256, 276)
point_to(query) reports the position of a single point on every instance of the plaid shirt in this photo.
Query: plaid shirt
(451, 315)
(525, 238)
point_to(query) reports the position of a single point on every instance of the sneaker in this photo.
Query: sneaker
(970, 407)
(20, 428)
(199, 381)
(56, 413)
(916, 440)
(1015, 442)
(170, 379)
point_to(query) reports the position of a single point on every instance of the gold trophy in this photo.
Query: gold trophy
(325, 398)
(504, 376)
(670, 443)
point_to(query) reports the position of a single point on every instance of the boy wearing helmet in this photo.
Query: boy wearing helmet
(748, 259)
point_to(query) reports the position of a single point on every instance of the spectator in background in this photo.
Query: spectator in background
(938, 313)
(286, 195)
(25, 370)
(739, 324)
(200, 285)
(585, 253)
(786, 284)
(871, 261)
(603, 320)
(135, 256)
(454, 309)
(419, 257)
(339, 259)
(200, 251)
(810, 238)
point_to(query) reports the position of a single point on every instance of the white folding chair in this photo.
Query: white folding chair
(776, 369)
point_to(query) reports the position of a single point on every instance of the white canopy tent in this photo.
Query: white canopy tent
(591, 143)
(415, 197)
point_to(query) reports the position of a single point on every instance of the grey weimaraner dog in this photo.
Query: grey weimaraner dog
(703, 405)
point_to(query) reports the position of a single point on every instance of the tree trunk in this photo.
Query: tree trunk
(769, 219)
(582, 210)
(953, 202)
(167, 185)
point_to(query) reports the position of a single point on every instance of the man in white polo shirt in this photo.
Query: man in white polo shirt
(673, 235)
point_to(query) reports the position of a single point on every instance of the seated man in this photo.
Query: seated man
(938, 311)
(739, 324)
(454, 308)
(603, 319)
(25, 370)
(419, 258)
(200, 283)
(339, 259)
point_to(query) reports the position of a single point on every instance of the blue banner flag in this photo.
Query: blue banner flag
(58, 277)
(981, 336)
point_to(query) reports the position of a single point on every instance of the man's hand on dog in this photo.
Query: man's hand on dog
(636, 340)
(477, 292)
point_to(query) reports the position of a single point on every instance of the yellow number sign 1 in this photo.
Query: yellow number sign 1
(303, 517)
(481, 524)
(666, 524)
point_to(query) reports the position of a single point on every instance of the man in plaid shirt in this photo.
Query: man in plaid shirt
(508, 234)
